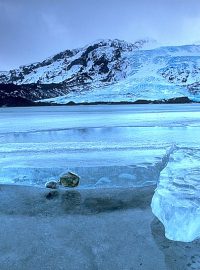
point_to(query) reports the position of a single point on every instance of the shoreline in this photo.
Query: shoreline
(86, 229)
(22, 102)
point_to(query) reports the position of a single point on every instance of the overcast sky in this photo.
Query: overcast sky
(31, 30)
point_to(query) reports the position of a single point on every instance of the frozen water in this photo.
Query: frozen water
(111, 146)
(123, 144)
(42, 142)
(34, 119)
(176, 201)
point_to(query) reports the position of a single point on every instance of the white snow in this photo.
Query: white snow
(139, 73)
(142, 77)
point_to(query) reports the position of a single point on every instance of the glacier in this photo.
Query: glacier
(156, 74)
(108, 71)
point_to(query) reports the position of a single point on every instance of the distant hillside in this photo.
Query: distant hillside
(108, 71)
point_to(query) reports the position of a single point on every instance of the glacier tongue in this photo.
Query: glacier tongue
(176, 201)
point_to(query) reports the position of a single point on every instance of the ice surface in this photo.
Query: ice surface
(111, 146)
(94, 153)
(18, 120)
(106, 145)
(176, 201)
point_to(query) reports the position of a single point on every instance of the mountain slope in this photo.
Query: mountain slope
(99, 61)
(162, 73)
(108, 70)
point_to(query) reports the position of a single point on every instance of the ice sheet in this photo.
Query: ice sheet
(106, 145)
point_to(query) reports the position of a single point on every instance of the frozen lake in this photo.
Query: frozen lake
(107, 145)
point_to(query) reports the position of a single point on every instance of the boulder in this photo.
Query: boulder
(51, 184)
(69, 180)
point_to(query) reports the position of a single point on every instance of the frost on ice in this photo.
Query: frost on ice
(176, 201)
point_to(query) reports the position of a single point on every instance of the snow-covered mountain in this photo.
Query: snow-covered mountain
(109, 70)
(102, 60)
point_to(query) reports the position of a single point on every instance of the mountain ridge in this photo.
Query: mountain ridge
(110, 71)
